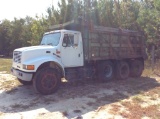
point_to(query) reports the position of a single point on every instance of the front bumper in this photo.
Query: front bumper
(22, 75)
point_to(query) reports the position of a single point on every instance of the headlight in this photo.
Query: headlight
(28, 67)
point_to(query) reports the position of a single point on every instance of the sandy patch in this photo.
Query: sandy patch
(89, 99)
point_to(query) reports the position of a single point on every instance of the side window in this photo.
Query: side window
(76, 40)
(65, 40)
(70, 40)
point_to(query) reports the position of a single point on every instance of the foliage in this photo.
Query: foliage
(149, 19)
(139, 15)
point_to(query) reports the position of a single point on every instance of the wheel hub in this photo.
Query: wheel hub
(48, 81)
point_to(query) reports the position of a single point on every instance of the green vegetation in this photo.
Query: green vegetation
(142, 15)
(5, 64)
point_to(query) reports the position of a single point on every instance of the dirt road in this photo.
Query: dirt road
(134, 98)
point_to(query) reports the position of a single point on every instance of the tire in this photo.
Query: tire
(123, 70)
(46, 81)
(105, 71)
(25, 82)
(137, 67)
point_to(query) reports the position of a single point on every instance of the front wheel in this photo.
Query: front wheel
(46, 81)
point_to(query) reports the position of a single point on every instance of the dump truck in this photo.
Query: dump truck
(79, 50)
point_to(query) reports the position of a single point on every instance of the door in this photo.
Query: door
(72, 50)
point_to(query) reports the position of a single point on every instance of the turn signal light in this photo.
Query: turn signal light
(28, 67)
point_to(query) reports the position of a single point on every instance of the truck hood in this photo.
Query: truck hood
(31, 48)
(29, 53)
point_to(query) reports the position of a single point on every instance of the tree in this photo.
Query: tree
(5, 37)
(149, 20)
(38, 27)
(143, 15)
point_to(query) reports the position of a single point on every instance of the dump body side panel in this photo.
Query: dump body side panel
(103, 45)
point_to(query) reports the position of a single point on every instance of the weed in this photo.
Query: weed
(65, 113)
(125, 103)
(147, 72)
(137, 112)
(138, 99)
(114, 109)
(9, 84)
(5, 64)
(154, 97)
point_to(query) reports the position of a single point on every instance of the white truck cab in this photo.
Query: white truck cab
(60, 48)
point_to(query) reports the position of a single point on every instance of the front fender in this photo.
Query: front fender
(40, 60)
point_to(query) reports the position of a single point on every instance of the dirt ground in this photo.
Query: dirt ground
(134, 98)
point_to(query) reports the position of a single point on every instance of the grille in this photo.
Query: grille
(17, 56)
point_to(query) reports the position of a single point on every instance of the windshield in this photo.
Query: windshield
(51, 39)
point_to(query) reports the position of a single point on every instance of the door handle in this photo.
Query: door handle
(79, 55)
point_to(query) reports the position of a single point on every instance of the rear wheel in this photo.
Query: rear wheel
(122, 70)
(25, 82)
(46, 81)
(137, 67)
(105, 71)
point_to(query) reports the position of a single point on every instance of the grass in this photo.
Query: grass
(5, 64)
(133, 110)
(8, 84)
(138, 99)
(138, 112)
(151, 71)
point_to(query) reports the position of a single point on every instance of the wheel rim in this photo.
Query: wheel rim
(48, 81)
(108, 71)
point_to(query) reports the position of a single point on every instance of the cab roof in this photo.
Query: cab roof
(62, 31)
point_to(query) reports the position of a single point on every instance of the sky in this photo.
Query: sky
(22, 8)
